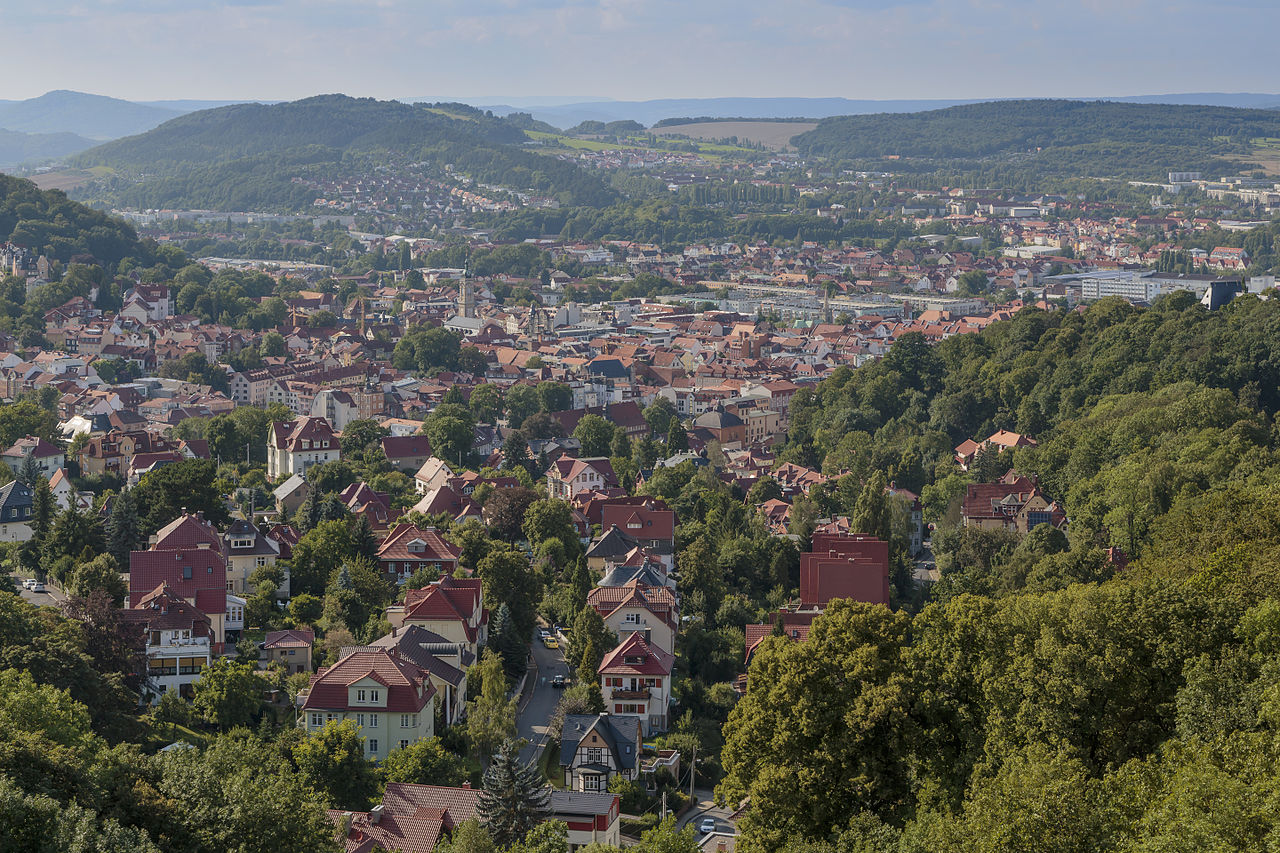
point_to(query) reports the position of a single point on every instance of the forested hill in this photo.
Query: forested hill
(47, 222)
(244, 156)
(1044, 699)
(1099, 138)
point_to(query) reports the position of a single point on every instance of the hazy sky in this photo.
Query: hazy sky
(638, 49)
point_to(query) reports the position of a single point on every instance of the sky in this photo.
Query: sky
(638, 49)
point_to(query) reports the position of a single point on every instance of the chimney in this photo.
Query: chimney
(466, 785)
(375, 814)
(646, 636)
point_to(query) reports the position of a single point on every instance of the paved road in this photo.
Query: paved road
(531, 723)
(50, 596)
(705, 807)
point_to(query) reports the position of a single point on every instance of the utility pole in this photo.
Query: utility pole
(664, 805)
(693, 770)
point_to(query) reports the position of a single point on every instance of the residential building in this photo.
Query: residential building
(451, 607)
(247, 550)
(390, 698)
(635, 606)
(177, 638)
(567, 476)
(48, 457)
(294, 446)
(15, 512)
(635, 678)
(446, 662)
(409, 548)
(291, 649)
(596, 747)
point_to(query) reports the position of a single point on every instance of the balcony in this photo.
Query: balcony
(624, 693)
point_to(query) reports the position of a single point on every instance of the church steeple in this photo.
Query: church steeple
(466, 296)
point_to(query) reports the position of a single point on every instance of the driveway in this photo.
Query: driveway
(538, 704)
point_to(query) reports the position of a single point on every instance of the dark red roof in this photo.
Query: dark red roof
(844, 566)
(640, 523)
(205, 583)
(409, 687)
(402, 446)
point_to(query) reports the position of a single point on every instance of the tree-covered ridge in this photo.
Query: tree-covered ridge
(245, 156)
(1045, 699)
(47, 222)
(1097, 138)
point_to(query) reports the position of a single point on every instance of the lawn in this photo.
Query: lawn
(549, 763)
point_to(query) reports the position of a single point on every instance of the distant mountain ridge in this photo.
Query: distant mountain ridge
(652, 111)
(1050, 137)
(91, 116)
(19, 148)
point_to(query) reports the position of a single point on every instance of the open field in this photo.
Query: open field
(1266, 155)
(66, 179)
(773, 134)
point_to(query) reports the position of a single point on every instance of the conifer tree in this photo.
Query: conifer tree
(123, 529)
(514, 799)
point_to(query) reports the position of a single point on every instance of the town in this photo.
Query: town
(775, 502)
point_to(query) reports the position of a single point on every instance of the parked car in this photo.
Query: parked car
(28, 583)
(37, 587)
(543, 633)
(550, 642)
(707, 826)
(558, 681)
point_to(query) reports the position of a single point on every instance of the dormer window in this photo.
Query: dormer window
(241, 543)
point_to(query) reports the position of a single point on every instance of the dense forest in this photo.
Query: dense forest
(1054, 138)
(1046, 696)
(246, 156)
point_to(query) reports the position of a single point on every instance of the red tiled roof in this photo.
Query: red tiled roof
(187, 531)
(208, 575)
(638, 522)
(289, 639)
(655, 660)
(433, 549)
(409, 688)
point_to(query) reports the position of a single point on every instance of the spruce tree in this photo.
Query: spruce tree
(29, 472)
(123, 530)
(579, 585)
(514, 799)
(677, 438)
(43, 509)
(366, 543)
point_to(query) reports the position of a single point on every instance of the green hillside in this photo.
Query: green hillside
(17, 147)
(246, 155)
(1102, 139)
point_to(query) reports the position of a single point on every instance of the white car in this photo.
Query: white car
(29, 583)
(707, 826)
(37, 587)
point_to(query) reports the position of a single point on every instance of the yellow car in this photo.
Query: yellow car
(550, 642)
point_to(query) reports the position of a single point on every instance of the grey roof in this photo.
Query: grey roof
(717, 419)
(421, 646)
(622, 575)
(610, 728)
(15, 495)
(581, 803)
(614, 543)
(289, 486)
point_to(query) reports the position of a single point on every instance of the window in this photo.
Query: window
(317, 720)
(373, 720)
(404, 744)
(373, 695)
(261, 561)
(595, 755)
(591, 783)
(360, 720)
(186, 573)
(404, 721)
(360, 696)
(372, 743)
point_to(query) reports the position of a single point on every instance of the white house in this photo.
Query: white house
(294, 446)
